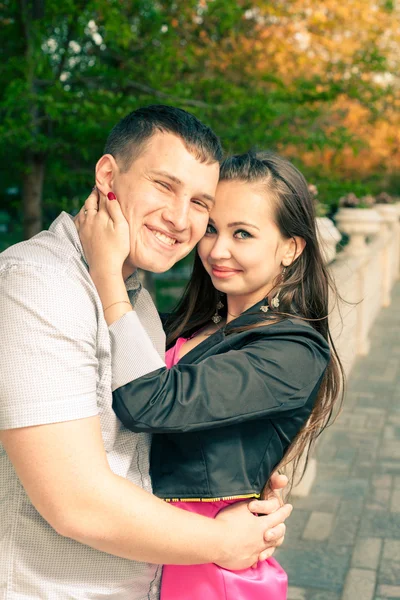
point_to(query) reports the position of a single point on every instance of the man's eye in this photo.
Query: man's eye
(211, 229)
(200, 203)
(164, 184)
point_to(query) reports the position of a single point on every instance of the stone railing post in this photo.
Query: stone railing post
(355, 271)
(359, 224)
(389, 227)
(328, 237)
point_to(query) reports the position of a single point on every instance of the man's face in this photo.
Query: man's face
(166, 196)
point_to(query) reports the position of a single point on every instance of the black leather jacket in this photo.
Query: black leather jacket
(224, 416)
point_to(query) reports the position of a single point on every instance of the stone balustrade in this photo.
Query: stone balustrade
(364, 271)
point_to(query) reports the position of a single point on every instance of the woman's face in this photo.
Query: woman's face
(243, 250)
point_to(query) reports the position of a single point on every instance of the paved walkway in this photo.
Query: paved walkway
(343, 541)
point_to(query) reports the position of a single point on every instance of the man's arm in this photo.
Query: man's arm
(51, 432)
(64, 470)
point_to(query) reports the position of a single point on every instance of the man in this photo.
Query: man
(77, 510)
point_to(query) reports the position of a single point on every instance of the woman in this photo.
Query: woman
(253, 375)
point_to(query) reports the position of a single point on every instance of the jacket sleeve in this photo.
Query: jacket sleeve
(273, 374)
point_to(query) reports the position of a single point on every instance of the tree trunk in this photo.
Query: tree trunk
(32, 192)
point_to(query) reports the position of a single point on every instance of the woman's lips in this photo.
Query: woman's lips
(224, 272)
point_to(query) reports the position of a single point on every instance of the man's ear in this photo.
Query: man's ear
(294, 248)
(106, 170)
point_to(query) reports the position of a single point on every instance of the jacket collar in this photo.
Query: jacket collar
(252, 315)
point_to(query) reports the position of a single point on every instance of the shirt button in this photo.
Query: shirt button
(154, 589)
(146, 481)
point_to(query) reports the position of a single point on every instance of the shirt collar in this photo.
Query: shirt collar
(64, 226)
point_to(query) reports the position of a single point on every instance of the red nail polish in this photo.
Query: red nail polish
(111, 196)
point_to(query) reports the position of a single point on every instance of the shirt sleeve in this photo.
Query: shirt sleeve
(132, 351)
(48, 364)
(273, 374)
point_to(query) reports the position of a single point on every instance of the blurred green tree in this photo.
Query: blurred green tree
(278, 75)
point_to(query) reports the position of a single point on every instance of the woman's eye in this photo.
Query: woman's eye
(211, 229)
(241, 234)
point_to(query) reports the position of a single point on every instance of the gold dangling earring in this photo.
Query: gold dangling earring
(275, 300)
(216, 318)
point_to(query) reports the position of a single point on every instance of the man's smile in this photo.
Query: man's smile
(163, 237)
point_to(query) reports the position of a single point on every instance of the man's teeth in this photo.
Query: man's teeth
(164, 238)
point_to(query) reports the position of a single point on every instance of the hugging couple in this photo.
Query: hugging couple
(129, 439)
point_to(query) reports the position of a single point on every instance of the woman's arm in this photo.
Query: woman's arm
(278, 372)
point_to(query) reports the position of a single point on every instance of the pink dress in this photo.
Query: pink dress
(210, 582)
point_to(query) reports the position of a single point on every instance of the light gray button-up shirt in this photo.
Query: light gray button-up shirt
(55, 365)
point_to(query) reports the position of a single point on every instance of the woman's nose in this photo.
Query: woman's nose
(220, 249)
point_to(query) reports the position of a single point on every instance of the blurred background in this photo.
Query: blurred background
(316, 81)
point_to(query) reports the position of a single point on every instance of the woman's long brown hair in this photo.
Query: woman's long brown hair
(303, 292)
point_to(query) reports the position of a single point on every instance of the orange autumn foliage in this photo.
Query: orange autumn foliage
(354, 46)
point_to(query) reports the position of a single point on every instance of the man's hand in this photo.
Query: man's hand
(275, 536)
(246, 534)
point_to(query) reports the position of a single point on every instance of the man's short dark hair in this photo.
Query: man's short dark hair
(129, 137)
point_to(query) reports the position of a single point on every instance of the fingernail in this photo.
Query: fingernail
(94, 188)
(111, 196)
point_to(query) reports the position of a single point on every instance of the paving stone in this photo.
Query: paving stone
(389, 374)
(296, 593)
(360, 585)
(388, 591)
(311, 564)
(395, 501)
(380, 524)
(317, 502)
(357, 421)
(367, 401)
(346, 453)
(366, 553)
(297, 524)
(323, 595)
(389, 432)
(361, 470)
(378, 499)
(390, 467)
(347, 522)
(338, 466)
(368, 455)
(390, 449)
(346, 488)
(382, 481)
(389, 572)
(319, 526)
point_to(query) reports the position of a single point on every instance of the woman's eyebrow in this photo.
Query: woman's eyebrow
(236, 223)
